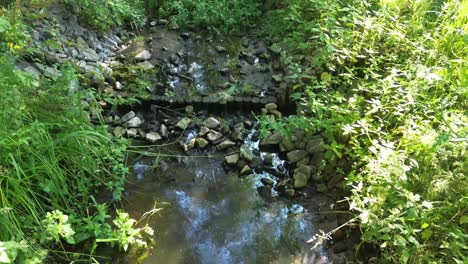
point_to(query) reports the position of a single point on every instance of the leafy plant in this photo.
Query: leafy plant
(385, 83)
(104, 14)
(220, 16)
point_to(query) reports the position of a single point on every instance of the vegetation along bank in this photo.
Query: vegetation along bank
(365, 100)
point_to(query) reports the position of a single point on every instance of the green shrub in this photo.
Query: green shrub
(53, 161)
(219, 16)
(13, 32)
(104, 14)
(386, 82)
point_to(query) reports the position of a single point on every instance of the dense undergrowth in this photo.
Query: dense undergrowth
(386, 82)
(54, 162)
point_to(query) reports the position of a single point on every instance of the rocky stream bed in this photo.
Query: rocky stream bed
(228, 196)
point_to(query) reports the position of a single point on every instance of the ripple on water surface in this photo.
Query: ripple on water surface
(219, 219)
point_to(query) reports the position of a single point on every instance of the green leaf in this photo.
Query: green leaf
(463, 220)
(4, 24)
(424, 226)
(325, 77)
(400, 241)
(426, 234)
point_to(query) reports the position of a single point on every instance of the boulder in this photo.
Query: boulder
(153, 137)
(220, 49)
(201, 142)
(237, 135)
(246, 153)
(245, 170)
(134, 122)
(203, 131)
(273, 139)
(214, 135)
(277, 78)
(287, 144)
(296, 155)
(184, 123)
(90, 55)
(232, 159)
(268, 158)
(267, 181)
(132, 132)
(211, 123)
(226, 144)
(271, 106)
(143, 56)
(239, 127)
(302, 176)
(118, 132)
(164, 131)
(189, 109)
(315, 145)
(127, 116)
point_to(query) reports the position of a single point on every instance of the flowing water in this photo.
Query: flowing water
(210, 216)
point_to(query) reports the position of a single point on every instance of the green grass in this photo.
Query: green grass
(55, 165)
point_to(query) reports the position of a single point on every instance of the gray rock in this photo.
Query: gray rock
(273, 139)
(239, 127)
(203, 131)
(232, 159)
(90, 55)
(153, 137)
(118, 132)
(237, 136)
(220, 49)
(246, 153)
(132, 133)
(118, 85)
(184, 123)
(33, 71)
(271, 106)
(268, 158)
(164, 131)
(127, 116)
(226, 144)
(211, 123)
(296, 155)
(143, 56)
(277, 78)
(302, 176)
(245, 170)
(286, 144)
(305, 161)
(201, 142)
(189, 109)
(315, 145)
(214, 135)
(163, 22)
(267, 181)
(153, 23)
(134, 122)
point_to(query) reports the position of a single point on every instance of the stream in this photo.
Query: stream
(225, 195)
(210, 216)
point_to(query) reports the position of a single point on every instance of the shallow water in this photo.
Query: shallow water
(212, 217)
